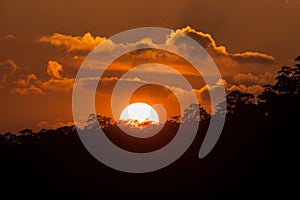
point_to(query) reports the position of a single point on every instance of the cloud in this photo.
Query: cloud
(54, 124)
(27, 81)
(72, 43)
(230, 61)
(250, 79)
(63, 85)
(88, 42)
(185, 95)
(254, 89)
(56, 81)
(7, 71)
(9, 37)
(54, 69)
(292, 2)
(13, 65)
(28, 85)
(31, 89)
(31, 84)
(107, 84)
(207, 41)
(203, 93)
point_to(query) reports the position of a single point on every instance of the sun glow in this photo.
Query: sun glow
(139, 114)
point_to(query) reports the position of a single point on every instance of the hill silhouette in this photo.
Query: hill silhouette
(255, 157)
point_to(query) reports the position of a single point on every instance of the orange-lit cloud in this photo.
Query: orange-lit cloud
(31, 84)
(292, 2)
(254, 89)
(8, 68)
(63, 85)
(219, 53)
(54, 69)
(54, 124)
(9, 36)
(250, 79)
(57, 82)
(241, 81)
(27, 81)
(13, 65)
(31, 89)
(72, 43)
(28, 85)
(207, 41)
(229, 63)
(186, 96)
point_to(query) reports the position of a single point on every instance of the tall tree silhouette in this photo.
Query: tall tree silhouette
(104, 121)
(288, 79)
(238, 101)
(267, 95)
(190, 114)
(282, 97)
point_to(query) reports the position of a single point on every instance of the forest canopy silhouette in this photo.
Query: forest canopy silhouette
(256, 154)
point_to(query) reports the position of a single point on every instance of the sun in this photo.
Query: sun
(139, 114)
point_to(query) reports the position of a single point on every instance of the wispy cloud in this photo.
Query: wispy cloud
(72, 43)
(31, 84)
(9, 37)
(208, 42)
(250, 79)
(292, 2)
(54, 124)
(63, 85)
(8, 68)
(28, 85)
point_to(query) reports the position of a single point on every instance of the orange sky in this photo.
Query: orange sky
(44, 42)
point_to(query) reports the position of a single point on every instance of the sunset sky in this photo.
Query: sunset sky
(43, 43)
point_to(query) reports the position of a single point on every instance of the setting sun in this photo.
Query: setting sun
(139, 114)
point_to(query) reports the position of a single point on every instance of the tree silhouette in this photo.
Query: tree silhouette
(238, 101)
(285, 81)
(11, 138)
(190, 114)
(267, 95)
(280, 98)
(175, 119)
(26, 132)
(104, 121)
(288, 79)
